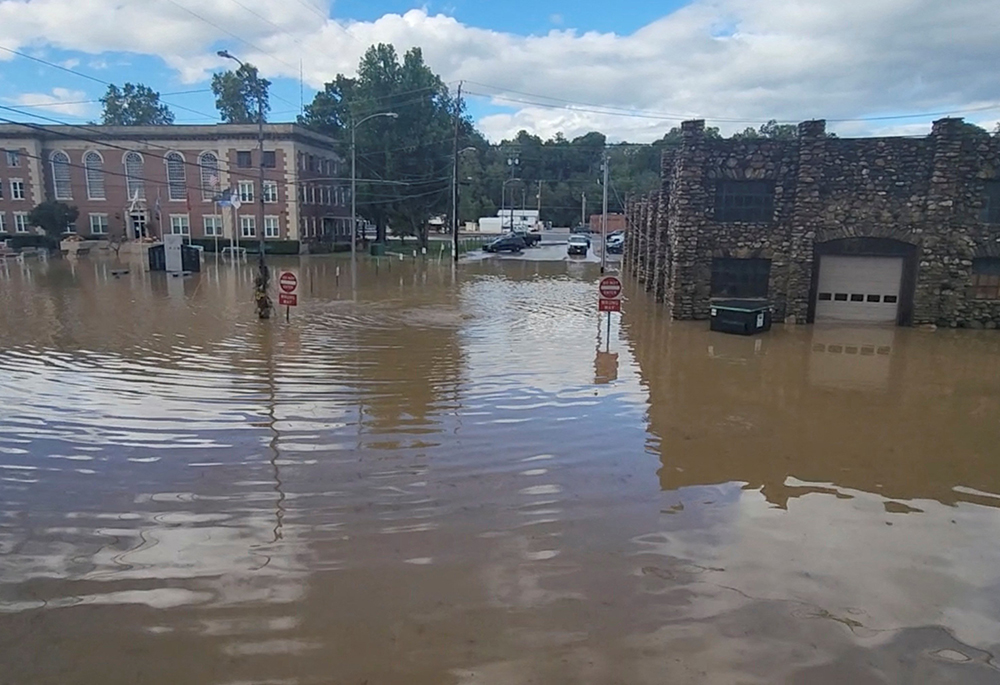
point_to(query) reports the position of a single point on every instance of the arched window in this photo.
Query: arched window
(61, 182)
(93, 165)
(176, 176)
(209, 165)
(133, 175)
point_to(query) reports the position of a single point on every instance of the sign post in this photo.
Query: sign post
(288, 291)
(610, 291)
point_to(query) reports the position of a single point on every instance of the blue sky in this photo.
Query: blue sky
(631, 69)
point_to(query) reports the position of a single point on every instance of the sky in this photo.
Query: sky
(631, 69)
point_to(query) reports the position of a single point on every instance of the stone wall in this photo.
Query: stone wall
(923, 194)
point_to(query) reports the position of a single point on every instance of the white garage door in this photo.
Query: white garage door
(859, 288)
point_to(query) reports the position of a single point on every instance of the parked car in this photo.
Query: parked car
(616, 243)
(578, 244)
(580, 228)
(529, 237)
(506, 243)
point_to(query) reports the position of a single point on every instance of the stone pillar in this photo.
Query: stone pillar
(651, 273)
(805, 220)
(941, 276)
(640, 247)
(686, 218)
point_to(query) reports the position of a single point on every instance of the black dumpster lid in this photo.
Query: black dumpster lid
(742, 305)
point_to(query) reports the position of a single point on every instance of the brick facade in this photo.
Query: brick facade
(310, 199)
(918, 198)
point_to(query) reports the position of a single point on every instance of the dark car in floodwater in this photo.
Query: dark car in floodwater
(506, 243)
(529, 237)
(578, 244)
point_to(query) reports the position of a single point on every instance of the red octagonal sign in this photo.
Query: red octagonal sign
(288, 282)
(611, 288)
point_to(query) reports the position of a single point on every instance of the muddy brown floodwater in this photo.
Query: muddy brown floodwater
(449, 480)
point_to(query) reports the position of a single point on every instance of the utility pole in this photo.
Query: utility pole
(512, 162)
(583, 209)
(604, 217)
(261, 297)
(454, 180)
(539, 201)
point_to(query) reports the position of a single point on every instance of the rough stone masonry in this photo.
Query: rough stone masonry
(924, 199)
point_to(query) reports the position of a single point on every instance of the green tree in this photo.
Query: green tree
(404, 164)
(53, 217)
(240, 94)
(134, 105)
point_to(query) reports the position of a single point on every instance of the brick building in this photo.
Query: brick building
(891, 230)
(616, 222)
(146, 181)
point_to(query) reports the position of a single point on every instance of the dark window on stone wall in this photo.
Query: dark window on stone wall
(991, 203)
(244, 159)
(986, 278)
(739, 278)
(744, 201)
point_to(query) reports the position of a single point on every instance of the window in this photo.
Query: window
(176, 176)
(270, 159)
(98, 224)
(744, 201)
(13, 158)
(244, 160)
(740, 277)
(246, 191)
(311, 194)
(857, 297)
(302, 161)
(248, 226)
(16, 189)
(875, 298)
(303, 231)
(991, 203)
(208, 163)
(302, 195)
(312, 163)
(270, 192)
(93, 165)
(3, 222)
(20, 222)
(213, 226)
(61, 182)
(840, 297)
(986, 278)
(180, 224)
(134, 183)
(271, 227)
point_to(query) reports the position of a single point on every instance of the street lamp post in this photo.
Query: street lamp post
(263, 277)
(454, 203)
(354, 194)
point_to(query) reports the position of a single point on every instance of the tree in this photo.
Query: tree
(407, 161)
(53, 217)
(134, 105)
(240, 94)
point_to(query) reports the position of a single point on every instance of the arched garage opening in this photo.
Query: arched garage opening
(863, 280)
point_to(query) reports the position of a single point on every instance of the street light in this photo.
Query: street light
(354, 194)
(454, 202)
(263, 276)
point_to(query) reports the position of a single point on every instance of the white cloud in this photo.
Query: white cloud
(60, 101)
(734, 62)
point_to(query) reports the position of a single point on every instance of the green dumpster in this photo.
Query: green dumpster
(377, 250)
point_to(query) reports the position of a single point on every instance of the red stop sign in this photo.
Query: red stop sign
(288, 282)
(611, 288)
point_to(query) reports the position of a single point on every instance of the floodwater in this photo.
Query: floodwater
(454, 478)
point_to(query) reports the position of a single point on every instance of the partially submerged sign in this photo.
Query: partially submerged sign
(610, 290)
(288, 288)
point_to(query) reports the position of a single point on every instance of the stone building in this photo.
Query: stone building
(903, 230)
(146, 181)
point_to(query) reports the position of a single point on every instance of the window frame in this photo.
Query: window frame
(272, 221)
(240, 157)
(3, 223)
(135, 185)
(270, 192)
(248, 220)
(744, 201)
(985, 280)
(217, 225)
(26, 226)
(209, 192)
(104, 225)
(176, 176)
(245, 197)
(269, 159)
(740, 278)
(17, 191)
(94, 176)
(183, 221)
(13, 158)
(55, 166)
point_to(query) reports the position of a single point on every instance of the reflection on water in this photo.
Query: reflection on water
(456, 477)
